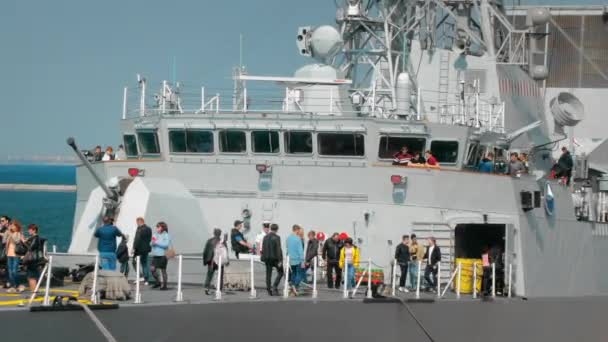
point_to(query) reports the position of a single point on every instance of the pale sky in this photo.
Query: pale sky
(64, 63)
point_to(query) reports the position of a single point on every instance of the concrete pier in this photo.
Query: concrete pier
(38, 187)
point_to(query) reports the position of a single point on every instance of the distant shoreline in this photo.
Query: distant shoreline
(38, 187)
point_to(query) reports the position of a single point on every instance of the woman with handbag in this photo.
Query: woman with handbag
(34, 258)
(15, 249)
(161, 243)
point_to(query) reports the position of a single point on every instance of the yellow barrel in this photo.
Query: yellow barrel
(466, 275)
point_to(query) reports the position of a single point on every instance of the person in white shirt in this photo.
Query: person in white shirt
(259, 239)
(109, 155)
(120, 154)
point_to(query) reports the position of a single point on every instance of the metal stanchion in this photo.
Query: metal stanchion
(369, 278)
(458, 281)
(438, 278)
(510, 279)
(474, 280)
(359, 283)
(314, 277)
(137, 289)
(394, 280)
(94, 288)
(418, 280)
(38, 285)
(345, 294)
(493, 280)
(218, 288)
(286, 283)
(179, 297)
(252, 294)
(47, 288)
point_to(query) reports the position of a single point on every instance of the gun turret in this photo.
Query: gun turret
(111, 196)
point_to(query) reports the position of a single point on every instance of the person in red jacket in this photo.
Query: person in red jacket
(430, 159)
(402, 157)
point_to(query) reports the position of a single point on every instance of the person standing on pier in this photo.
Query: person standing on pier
(402, 256)
(272, 256)
(349, 259)
(433, 258)
(5, 221)
(312, 251)
(14, 252)
(215, 252)
(237, 239)
(295, 251)
(416, 254)
(259, 239)
(122, 254)
(331, 255)
(106, 243)
(141, 248)
(161, 241)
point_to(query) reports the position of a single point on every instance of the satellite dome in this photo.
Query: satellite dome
(318, 71)
(325, 42)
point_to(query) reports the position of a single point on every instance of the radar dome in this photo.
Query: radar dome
(325, 42)
(539, 72)
(539, 16)
(319, 71)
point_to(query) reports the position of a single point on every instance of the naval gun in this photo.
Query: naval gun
(112, 195)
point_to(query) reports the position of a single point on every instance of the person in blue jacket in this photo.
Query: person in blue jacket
(486, 165)
(295, 251)
(161, 241)
(106, 243)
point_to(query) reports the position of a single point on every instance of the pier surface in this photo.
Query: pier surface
(38, 187)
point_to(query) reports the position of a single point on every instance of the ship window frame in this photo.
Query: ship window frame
(402, 136)
(349, 156)
(154, 132)
(185, 133)
(127, 149)
(286, 145)
(220, 145)
(278, 133)
(480, 153)
(455, 162)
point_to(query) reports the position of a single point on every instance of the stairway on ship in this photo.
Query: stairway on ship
(444, 237)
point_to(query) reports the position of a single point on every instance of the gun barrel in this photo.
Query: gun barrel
(109, 193)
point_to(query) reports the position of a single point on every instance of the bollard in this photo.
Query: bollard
(458, 282)
(474, 280)
(252, 294)
(218, 289)
(47, 288)
(286, 283)
(94, 289)
(394, 280)
(314, 278)
(137, 289)
(179, 297)
(37, 285)
(345, 294)
(438, 278)
(493, 280)
(369, 278)
(510, 279)
(418, 280)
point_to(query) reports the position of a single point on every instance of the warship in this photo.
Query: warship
(458, 78)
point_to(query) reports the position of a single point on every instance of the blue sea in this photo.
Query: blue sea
(53, 212)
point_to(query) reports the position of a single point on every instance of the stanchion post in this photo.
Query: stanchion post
(458, 282)
(510, 279)
(179, 297)
(439, 279)
(314, 278)
(94, 288)
(369, 278)
(286, 283)
(345, 294)
(42, 274)
(394, 275)
(218, 286)
(47, 288)
(418, 279)
(137, 289)
(252, 294)
(474, 280)
(493, 280)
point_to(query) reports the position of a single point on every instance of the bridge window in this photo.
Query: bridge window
(148, 142)
(446, 152)
(341, 144)
(265, 141)
(298, 142)
(474, 155)
(390, 145)
(130, 145)
(190, 141)
(233, 141)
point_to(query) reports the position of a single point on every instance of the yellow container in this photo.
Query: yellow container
(466, 275)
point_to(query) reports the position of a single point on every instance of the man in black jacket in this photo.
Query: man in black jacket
(402, 255)
(141, 247)
(331, 255)
(208, 256)
(564, 165)
(312, 250)
(432, 257)
(272, 256)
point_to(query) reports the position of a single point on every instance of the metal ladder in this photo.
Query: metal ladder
(444, 79)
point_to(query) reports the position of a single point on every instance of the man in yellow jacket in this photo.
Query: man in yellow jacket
(349, 257)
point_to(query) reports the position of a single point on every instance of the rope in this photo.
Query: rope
(106, 333)
(409, 310)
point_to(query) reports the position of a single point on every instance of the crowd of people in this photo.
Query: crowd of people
(20, 251)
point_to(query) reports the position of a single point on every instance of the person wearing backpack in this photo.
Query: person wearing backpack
(272, 256)
(215, 250)
(122, 255)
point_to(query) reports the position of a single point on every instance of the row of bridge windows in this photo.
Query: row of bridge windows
(344, 144)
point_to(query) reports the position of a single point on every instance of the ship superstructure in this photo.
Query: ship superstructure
(452, 77)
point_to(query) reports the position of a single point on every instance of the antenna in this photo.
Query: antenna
(241, 51)
(174, 70)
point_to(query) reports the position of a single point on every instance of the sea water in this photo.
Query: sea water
(53, 212)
